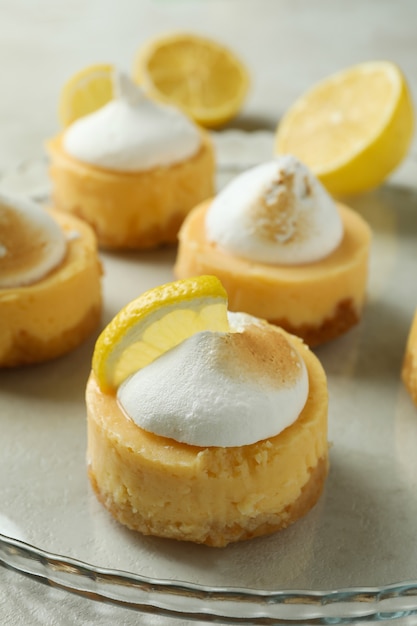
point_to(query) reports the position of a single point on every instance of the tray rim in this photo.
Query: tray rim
(200, 602)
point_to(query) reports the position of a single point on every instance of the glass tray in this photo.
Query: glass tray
(352, 558)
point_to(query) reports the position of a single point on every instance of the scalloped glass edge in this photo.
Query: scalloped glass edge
(198, 602)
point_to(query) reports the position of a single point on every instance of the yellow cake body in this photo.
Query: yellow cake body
(316, 301)
(409, 368)
(131, 209)
(208, 495)
(54, 315)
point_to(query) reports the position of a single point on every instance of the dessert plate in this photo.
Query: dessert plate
(352, 558)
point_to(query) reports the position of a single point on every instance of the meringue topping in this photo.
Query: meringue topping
(220, 389)
(276, 213)
(132, 133)
(31, 242)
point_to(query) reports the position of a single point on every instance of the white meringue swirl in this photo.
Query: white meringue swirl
(132, 133)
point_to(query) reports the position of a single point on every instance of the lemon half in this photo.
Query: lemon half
(353, 128)
(198, 75)
(85, 92)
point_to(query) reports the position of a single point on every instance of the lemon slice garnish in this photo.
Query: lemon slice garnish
(155, 322)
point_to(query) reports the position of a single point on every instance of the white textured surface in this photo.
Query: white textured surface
(363, 530)
(46, 237)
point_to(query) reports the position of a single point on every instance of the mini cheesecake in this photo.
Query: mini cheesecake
(57, 312)
(138, 210)
(132, 169)
(211, 495)
(317, 301)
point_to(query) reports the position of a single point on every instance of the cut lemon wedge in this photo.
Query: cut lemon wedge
(203, 78)
(154, 323)
(85, 92)
(353, 128)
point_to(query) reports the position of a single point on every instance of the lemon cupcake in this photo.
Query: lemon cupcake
(50, 292)
(283, 249)
(132, 170)
(204, 426)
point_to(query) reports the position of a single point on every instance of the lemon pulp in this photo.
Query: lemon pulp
(85, 92)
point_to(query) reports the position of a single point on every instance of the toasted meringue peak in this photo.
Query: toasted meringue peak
(31, 242)
(276, 213)
(220, 389)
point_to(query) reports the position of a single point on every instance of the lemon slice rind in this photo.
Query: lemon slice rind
(155, 322)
